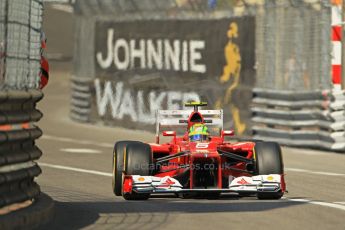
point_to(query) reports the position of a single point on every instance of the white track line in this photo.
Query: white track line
(335, 205)
(313, 172)
(75, 169)
(340, 202)
(75, 150)
(75, 141)
(326, 204)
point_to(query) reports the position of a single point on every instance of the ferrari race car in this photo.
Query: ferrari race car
(188, 166)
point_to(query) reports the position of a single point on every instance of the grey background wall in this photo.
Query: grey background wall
(161, 60)
(264, 63)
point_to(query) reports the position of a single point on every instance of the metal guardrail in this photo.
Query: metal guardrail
(81, 99)
(18, 150)
(304, 119)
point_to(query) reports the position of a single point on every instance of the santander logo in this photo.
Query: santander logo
(243, 182)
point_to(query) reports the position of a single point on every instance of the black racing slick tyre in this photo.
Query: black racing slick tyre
(268, 160)
(118, 166)
(138, 161)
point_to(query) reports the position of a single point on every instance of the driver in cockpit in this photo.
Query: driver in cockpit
(198, 133)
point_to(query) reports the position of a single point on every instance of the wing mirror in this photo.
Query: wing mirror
(227, 133)
(169, 133)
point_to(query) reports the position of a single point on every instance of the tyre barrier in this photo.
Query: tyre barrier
(301, 119)
(17, 149)
(81, 99)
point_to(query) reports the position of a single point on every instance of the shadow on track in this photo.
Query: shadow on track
(150, 214)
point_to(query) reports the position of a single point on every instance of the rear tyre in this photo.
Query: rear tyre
(118, 167)
(138, 160)
(269, 160)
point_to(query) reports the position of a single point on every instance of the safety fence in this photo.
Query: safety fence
(294, 102)
(293, 47)
(20, 42)
(20, 56)
(309, 119)
(159, 7)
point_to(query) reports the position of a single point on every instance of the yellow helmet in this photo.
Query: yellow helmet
(198, 132)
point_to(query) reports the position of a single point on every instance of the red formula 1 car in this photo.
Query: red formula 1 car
(209, 166)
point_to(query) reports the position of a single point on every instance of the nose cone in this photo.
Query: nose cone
(197, 147)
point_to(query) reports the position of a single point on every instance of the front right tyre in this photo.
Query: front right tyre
(118, 167)
(138, 160)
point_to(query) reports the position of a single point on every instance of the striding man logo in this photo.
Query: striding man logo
(231, 76)
(232, 56)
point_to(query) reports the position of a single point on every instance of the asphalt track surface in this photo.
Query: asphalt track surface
(77, 165)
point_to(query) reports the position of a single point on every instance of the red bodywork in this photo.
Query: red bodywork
(202, 152)
(198, 155)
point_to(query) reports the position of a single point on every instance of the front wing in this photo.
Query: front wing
(255, 184)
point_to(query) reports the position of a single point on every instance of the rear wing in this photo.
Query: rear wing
(178, 118)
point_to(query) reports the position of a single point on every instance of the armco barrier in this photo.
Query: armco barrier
(17, 149)
(81, 99)
(304, 119)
